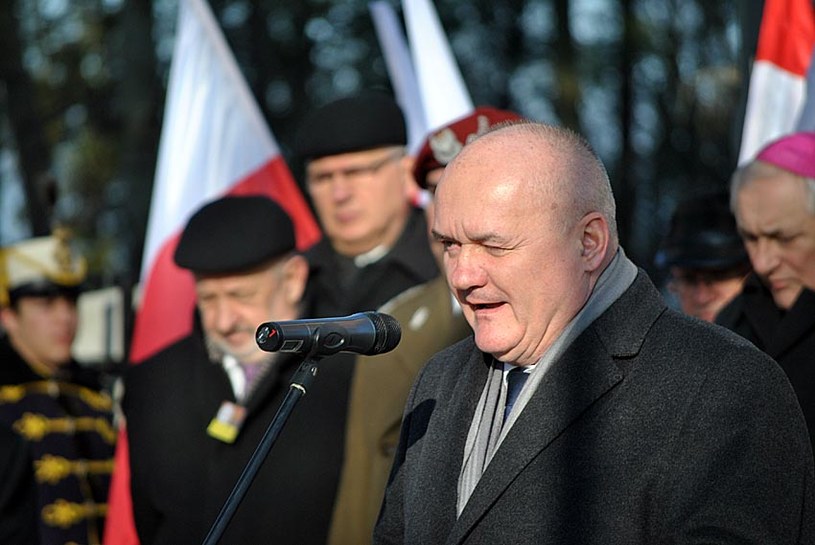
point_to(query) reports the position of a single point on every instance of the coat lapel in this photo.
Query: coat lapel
(585, 372)
(437, 481)
(582, 376)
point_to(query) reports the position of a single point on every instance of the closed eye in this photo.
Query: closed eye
(787, 239)
(496, 250)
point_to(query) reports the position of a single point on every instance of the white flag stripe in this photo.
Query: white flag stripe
(444, 94)
(242, 97)
(400, 69)
(774, 105)
(213, 133)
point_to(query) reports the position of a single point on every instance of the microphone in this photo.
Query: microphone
(365, 333)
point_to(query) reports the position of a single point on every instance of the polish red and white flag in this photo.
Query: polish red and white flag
(424, 75)
(214, 141)
(778, 86)
(443, 91)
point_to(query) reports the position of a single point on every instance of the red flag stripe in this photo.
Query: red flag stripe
(787, 34)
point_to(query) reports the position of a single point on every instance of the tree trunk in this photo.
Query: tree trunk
(566, 67)
(625, 187)
(138, 99)
(26, 125)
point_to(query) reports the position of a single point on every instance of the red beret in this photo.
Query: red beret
(443, 144)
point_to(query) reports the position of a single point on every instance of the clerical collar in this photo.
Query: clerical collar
(371, 256)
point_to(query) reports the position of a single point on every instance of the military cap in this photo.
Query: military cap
(443, 144)
(234, 234)
(356, 123)
(794, 153)
(703, 235)
(40, 266)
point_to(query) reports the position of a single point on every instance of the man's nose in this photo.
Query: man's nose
(465, 270)
(340, 186)
(763, 256)
(224, 316)
(64, 309)
(703, 292)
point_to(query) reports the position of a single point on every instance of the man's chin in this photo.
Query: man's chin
(785, 298)
(491, 346)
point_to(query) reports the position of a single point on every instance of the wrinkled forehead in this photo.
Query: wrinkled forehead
(761, 191)
(471, 205)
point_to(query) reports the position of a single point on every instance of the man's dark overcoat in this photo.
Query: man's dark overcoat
(788, 337)
(651, 428)
(181, 477)
(337, 288)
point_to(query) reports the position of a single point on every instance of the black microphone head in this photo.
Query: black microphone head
(388, 333)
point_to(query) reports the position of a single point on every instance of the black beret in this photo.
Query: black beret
(233, 234)
(703, 235)
(366, 121)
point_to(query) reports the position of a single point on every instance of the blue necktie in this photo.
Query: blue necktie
(515, 382)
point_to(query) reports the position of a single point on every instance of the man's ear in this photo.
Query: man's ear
(595, 239)
(295, 276)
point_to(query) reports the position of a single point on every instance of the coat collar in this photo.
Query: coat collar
(777, 331)
(588, 371)
(798, 323)
(404, 253)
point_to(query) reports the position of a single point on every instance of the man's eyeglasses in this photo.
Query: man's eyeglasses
(354, 173)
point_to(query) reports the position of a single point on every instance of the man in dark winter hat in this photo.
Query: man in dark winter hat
(357, 174)
(431, 320)
(704, 255)
(197, 410)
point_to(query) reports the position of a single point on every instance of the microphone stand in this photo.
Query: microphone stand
(300, 383)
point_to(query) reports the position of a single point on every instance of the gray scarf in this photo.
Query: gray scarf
(486, 429)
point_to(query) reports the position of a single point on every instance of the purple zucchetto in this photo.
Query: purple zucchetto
(794, 153)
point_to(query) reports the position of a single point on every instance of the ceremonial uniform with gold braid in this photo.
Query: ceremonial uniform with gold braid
(68, 424)
(64, 415)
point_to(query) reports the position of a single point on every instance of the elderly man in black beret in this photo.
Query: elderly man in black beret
(358, 177)
(197, 410)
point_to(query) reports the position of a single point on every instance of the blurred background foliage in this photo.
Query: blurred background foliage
(657, 86)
